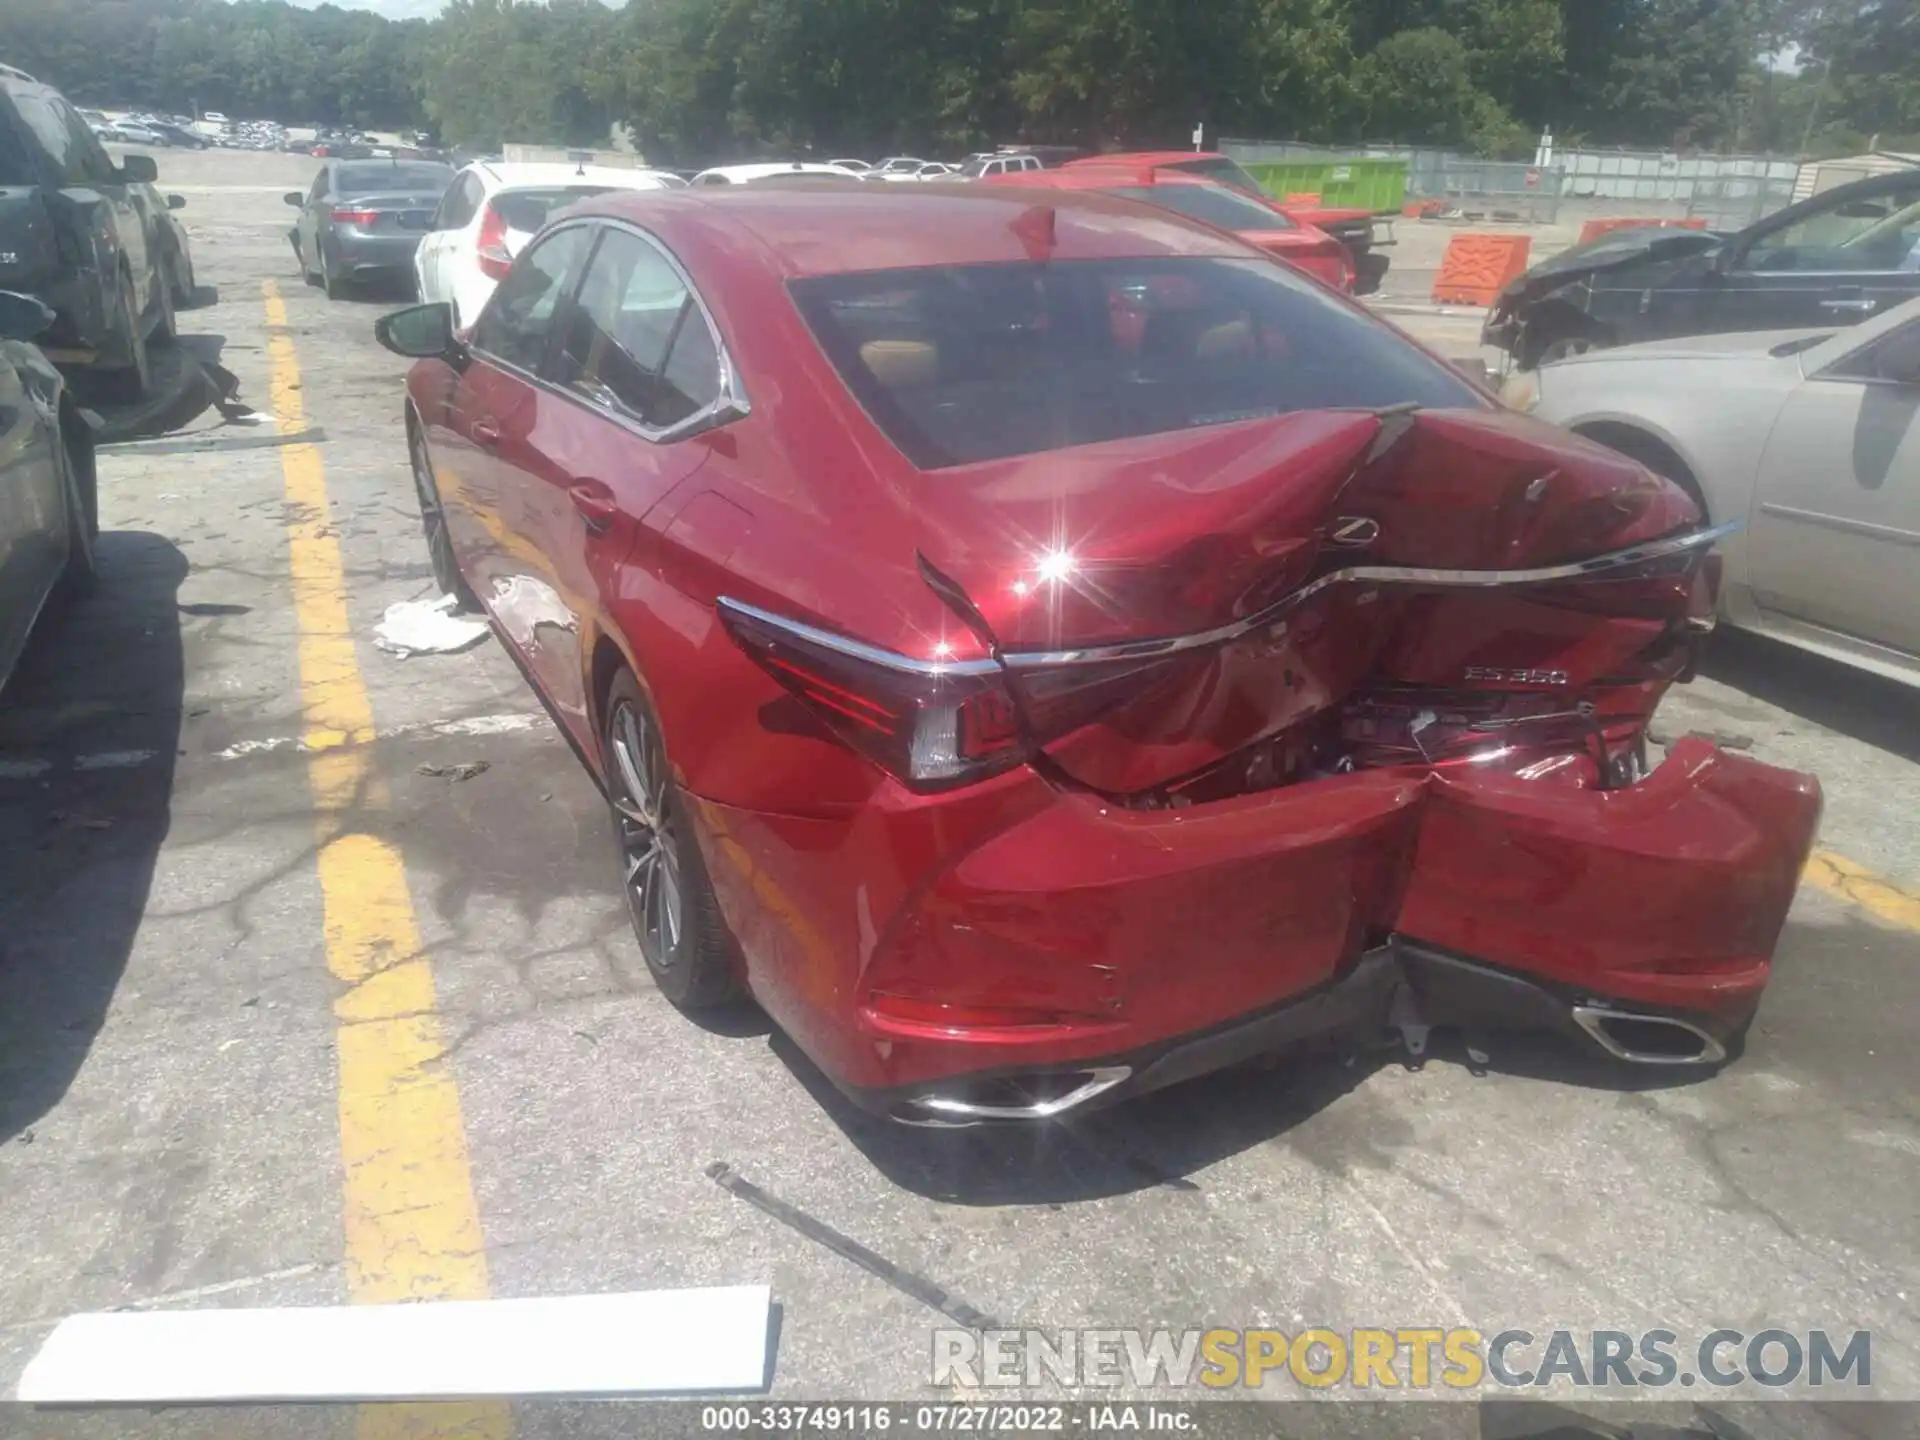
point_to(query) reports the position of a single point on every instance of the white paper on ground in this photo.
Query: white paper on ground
(638, 1343)
(426, 627)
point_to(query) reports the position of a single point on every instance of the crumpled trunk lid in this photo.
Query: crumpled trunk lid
(1259, 604)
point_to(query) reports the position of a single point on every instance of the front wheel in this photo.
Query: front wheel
(670, 901)
(133, 380)
(433, 520)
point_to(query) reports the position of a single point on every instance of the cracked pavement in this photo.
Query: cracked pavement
(168, 1115)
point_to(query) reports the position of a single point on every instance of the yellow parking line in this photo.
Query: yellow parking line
(412, 1224)
(1838, 876)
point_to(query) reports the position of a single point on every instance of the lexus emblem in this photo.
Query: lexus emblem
(1356, 532)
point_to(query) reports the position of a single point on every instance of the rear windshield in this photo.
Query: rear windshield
(528, 209)
(969, 363)
(1221, 171)
(1213, 204)
(374, 179)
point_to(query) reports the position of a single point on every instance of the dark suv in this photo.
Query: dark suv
(73, 233)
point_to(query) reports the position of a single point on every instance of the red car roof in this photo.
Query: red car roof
(834, 230)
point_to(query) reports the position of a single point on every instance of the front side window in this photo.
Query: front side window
(519, 320)
(1213, 204)
(960, 364)
(636, 340)
(1869, 233)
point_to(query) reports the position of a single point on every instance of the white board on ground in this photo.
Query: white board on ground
(650, 1342)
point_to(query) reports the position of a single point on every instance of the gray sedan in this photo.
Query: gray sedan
(1809, 437)
(362, 219)
(48, 515)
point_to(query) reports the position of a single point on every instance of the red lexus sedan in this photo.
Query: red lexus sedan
(1043, 651)
(1261, 226)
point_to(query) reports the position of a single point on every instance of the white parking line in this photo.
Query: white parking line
(32, 767)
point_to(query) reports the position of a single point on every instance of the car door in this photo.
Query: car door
(309, 222)
(33, 537)
(493, 412)
(1841, 260)
(437, 247)
(1834, 538)
(638, 358)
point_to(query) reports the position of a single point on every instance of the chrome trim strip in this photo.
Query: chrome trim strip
(1375, 575)
(858, 650)
(1865, 528)
(1177, 644)
(1098, 1082)
(1593, 1018)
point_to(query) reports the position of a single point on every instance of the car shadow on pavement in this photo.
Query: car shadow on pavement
(1860, 705)
(88, 729)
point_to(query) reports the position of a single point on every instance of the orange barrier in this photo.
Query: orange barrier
(1423, 209)
(1594, 229)
(1303, 197)
(1478, 267)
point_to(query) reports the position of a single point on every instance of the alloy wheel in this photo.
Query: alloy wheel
(433, 520)
(648, 846)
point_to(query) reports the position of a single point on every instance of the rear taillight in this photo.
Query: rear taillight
(355, 217)
(931, 724)
(490, 246)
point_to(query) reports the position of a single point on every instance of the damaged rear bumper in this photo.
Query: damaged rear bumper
(1640, 920)
(1403, 986)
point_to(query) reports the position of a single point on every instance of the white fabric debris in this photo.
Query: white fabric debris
(427, 627)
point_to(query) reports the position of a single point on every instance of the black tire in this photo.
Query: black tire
(186, 289)
(334, 288)
(670, 901)
(165, 330)
(78, 576)
(433, 521)
(132, 381)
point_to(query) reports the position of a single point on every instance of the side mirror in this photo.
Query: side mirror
(420, 332)
(139, 170)
(176, 202)
(23, 317)
(295, 199)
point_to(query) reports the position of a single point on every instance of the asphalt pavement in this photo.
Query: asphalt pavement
(216, 1090)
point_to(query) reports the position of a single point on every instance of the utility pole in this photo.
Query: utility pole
(1813, 115)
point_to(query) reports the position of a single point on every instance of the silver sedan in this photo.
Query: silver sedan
(363, 219)
(1811, 437)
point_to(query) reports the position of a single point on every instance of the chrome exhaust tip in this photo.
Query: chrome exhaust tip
(1010, 1100)
(1648, 1039)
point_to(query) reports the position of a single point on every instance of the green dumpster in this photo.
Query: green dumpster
(1356, 184)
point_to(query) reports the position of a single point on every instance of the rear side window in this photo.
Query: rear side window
(1213, 204)
(968, 363)
(459, 205)
(17, 165)
(1220, 170)
(66, 139)
(520, 319)
(637, 340)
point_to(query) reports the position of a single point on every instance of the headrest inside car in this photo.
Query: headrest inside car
(901, 364)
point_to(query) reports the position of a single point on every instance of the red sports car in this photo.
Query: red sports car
(1042, 651)
(1261, 226)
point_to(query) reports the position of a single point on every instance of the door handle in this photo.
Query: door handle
(1860, 306)
(486, 432)
(596, 505)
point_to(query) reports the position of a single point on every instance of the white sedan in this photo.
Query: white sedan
(1809, 437)
(491, 210)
